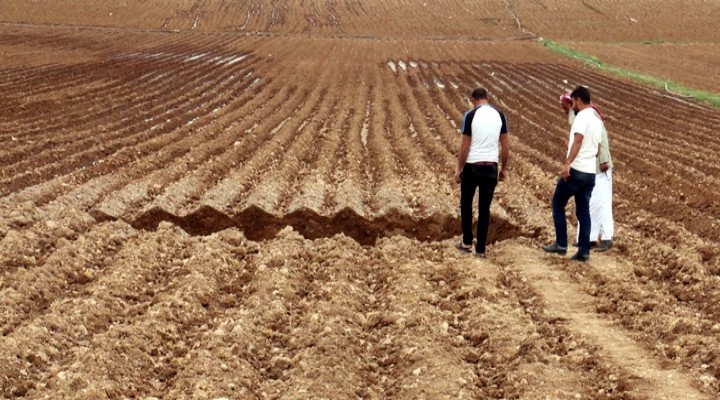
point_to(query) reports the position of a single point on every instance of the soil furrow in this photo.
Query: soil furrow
(121, 61)
(27, 292)
(653, 380)
(217, 127)
(413, 349)
(94, 104)
(427, 108)
(313, 178)
(139, 355)
(388, 189)
(34, 233)
(179, 193)
(273, 135)
(171, 126)
(83, 197)
(284, 166)
(121, 69)
(425, 197)
(673, 330)
(353, 181)
(103, 149)
(121, 291)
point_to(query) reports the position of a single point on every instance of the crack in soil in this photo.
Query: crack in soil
(257, 224)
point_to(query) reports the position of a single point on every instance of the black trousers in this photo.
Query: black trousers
(483, 179)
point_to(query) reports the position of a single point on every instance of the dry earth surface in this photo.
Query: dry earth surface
(260, 206)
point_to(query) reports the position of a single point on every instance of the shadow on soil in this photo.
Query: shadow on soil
(257, 224)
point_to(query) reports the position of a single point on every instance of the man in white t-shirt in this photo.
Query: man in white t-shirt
(578, 176)
(483, 128)
(602, 224)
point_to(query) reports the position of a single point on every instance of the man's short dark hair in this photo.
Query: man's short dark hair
(582, 93)
(479, 93)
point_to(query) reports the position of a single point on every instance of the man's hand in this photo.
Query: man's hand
(565, 171)
(565, 143)
(462, 157)
(501, 175)
(604, 167)
(566, 106)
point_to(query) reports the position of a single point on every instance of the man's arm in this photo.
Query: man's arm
(604, 155)
(462, 157)
(574, 150)
(504, 155)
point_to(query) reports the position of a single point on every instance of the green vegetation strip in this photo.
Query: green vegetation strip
(707, 97)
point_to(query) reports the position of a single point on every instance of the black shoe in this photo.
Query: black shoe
(580, 257)
(554, 248)
(592, 244)
(604, 245)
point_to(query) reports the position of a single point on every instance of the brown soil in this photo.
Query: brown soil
(270, 215)
(587, 20)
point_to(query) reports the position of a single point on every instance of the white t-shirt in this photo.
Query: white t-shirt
(588, 124)
(484, 125)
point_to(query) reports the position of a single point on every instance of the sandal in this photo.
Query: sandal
(461, 246)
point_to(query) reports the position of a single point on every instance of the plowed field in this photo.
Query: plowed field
(270, 215)
(683, 63)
